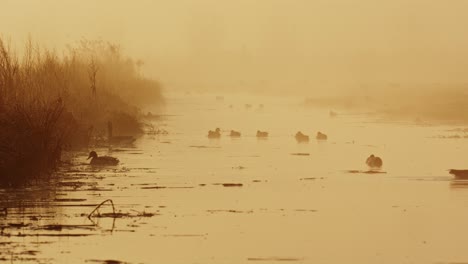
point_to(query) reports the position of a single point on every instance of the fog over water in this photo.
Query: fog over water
(302, 47)
(242, 131)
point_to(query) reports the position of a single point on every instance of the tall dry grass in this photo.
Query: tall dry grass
(50, 102)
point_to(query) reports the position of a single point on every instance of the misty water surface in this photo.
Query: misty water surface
(247, 200)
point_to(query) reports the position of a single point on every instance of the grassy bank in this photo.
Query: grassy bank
(49, 103)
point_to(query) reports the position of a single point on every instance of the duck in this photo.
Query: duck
(262, 134)
(374, 162)
(235, 133)
(321, 136)
(459, 174)
(300, 137)
(102, 161)
(214, 134)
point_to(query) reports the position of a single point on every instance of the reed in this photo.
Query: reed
(49, 103)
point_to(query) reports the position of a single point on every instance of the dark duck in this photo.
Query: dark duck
(459, 174)
(214, 134)
(300, 137)
(321, 136)
(235, 133)
(102, 161)
(374, 162)
(262, 134)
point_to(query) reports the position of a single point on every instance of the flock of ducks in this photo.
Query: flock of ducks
(372, 161)
(235, 134)
(300, 137)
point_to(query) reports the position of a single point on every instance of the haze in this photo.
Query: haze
(275, 46)
(242, 131)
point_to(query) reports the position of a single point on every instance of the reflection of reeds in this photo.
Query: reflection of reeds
(46, 103)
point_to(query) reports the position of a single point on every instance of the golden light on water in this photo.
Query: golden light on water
(381, 78)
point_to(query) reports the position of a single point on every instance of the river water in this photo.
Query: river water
(184, 198)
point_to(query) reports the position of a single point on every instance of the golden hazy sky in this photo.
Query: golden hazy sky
(262, 44)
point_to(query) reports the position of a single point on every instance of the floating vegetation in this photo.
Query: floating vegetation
(366, 172)
(69, 200)
(106, 261)
(306, 210)
(166, 187)
(18, 225)
(452, 137)
(114, 214)
(230, 211)
(58, 227)
(275, 259)
(259, 181)
(151, 130)
(312, 178)
(300, 154)
(203, 147)
(185, 235)
(99, 205)
(232, 184)
(153, 187)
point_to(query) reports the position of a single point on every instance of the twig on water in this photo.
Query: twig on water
(97, 208)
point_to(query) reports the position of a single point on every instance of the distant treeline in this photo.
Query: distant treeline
(433, 105)
(49, 102)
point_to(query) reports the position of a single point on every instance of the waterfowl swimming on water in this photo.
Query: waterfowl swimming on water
(321, 136)
(460, 174)
(300, 137)
(214, 134)
(374, 162)
(262, 134)
(104, 160)
(235, 133)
